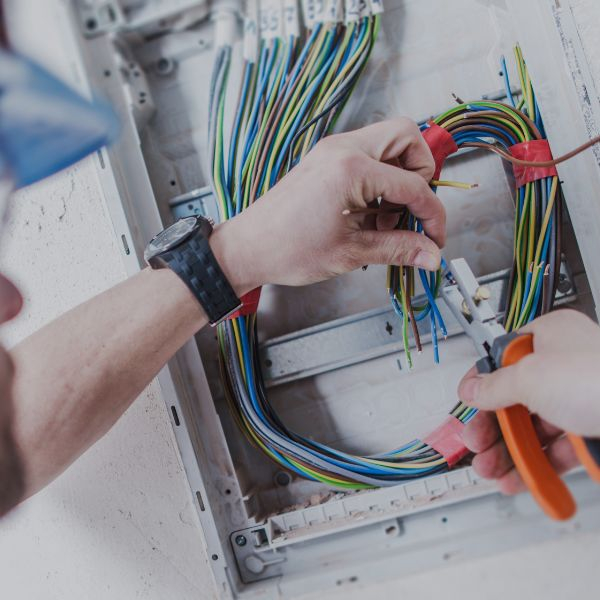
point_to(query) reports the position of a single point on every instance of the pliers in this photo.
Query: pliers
(468, 302)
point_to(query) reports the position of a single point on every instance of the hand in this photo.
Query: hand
(559, 383)
(12, 477)
(296, 234)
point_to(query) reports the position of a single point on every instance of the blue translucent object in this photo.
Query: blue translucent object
(44, 125)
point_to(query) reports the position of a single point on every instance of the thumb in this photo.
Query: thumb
(500, 389)
(396, 247)
(561, 391)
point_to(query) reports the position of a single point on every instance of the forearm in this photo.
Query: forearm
(77, 375)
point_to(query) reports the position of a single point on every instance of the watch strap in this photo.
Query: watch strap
(194, 262)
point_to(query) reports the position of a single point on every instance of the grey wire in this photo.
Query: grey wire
(222, 60)
(274, 437)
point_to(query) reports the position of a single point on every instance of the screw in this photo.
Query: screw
(240, 540)
(564, 284)
(465, 308)
(165, 66)
(483, 292)
(282, 478)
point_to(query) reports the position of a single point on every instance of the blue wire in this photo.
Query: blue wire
(434, 339)
(238, 118)
(264, 71)
(536, 298)
(304, 107)
(287, 64)
(509, 94)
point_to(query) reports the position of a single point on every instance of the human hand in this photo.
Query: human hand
(559, 383)
(296, 234)
(12, 478)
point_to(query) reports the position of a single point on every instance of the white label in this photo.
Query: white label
(251, 32)
(352, 10)
(365, 8)
(334, 11)
(376, 7)
(308, 13)
(270, 20)
(320, 11)
(291, 19)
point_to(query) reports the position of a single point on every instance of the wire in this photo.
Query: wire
(495, 127)
(533, 163)
(285, 103)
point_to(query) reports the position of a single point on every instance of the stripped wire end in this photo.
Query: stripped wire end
(453, 184)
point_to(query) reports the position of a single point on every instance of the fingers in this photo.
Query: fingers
(387, 222)
(406, 188)
(398, 139)
(11, 300)
(482, 432)
(563, 328)
(560, 388)
(399, 248)
(493, 460)
(546, 432)
(502, 388)
(482, 436)
(561, 456)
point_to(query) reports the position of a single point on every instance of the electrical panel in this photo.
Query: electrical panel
(332, 355)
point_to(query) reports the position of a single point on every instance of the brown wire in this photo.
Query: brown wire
(533, 163)
(414, 325)
(483, 113)
(276, 115)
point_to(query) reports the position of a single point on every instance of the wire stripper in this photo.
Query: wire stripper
(468, 302)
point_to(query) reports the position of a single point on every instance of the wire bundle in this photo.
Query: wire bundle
(496, 127)
(287, 101)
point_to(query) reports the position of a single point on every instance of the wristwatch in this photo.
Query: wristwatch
(183, 247)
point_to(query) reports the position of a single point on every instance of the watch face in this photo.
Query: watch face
(170, 237)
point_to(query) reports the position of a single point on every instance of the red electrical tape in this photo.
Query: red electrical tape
(538, 151)
(441, 144)
(447, 440)
(249, 304)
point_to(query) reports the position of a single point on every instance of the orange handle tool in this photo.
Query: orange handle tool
(588, 453)
(544, 483)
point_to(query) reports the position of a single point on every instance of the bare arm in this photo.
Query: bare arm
(76, 376)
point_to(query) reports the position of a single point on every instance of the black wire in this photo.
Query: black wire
(308, 125)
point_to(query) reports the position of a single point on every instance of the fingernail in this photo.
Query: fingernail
(469, 389)
(426, 260)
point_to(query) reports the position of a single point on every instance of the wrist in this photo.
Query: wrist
(233, 250)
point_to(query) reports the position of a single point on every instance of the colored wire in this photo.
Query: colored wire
(287, 100)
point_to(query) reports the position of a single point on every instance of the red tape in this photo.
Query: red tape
(447, 440)
(249, 304)
(538, 151)
(441, 144)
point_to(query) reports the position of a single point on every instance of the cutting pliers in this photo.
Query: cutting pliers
(468, 302)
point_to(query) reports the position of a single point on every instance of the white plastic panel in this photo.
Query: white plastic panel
(428, 50)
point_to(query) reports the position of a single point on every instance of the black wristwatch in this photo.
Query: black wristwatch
(183, 247)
